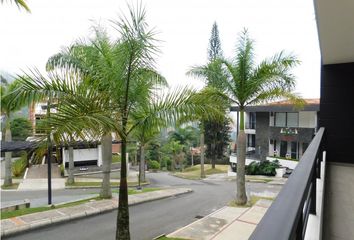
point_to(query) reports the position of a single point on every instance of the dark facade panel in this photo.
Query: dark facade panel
(337, 111)
(262, 133)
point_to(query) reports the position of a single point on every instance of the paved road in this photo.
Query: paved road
(151, 219)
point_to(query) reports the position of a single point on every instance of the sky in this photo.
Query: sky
(183, 26)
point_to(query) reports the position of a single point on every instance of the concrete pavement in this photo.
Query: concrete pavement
(226, 223)
(35, 220)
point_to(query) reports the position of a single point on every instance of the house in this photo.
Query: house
(279, 130)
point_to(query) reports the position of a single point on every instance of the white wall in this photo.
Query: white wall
(82, 155)
(308, 119)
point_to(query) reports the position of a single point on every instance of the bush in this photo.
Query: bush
(19, 166)
(62, 169)
(152, 164)
(266, 168)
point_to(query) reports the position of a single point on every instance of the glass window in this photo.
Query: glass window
(280, 119)
(292, 120)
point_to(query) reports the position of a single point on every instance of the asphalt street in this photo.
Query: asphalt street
(151, 219)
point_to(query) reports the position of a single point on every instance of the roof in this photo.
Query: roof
(312, 104)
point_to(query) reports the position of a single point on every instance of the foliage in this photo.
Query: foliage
(21, 4)
(266, 168)
(19, 166)
(20, 128)
(153, 164)
(217, 138)
(62, 169)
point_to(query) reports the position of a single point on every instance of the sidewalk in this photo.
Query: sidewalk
(35, 220)
(225, 223)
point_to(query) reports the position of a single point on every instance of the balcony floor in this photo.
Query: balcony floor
(339, 202)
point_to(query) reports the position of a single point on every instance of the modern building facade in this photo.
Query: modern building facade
(279, 129)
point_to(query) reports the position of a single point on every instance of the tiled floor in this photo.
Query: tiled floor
(339, 204)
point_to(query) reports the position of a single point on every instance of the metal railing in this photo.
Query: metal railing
(287, 217)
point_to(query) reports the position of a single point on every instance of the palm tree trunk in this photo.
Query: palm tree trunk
(213, 158)
(8, 155)
(241, 197)
(202, 173)
(71, 179)
(142, 163)
(123, 232)
(106, 166)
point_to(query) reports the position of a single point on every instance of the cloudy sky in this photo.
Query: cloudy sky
(184, 26)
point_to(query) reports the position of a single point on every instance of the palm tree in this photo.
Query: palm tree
(246, 83)
(108, 86)
(7, 108)
(20, 4)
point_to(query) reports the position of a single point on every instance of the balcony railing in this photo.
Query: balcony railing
(288, 215)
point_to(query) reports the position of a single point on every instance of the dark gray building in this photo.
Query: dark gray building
(278, 129)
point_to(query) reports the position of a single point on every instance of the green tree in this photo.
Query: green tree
(109, 86)
(21, 128)
(246, 83)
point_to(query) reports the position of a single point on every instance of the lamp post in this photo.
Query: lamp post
(138, 151)
(49, 154)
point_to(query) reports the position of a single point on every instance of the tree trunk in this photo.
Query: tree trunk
(213, 158)
(8, 155)
(106, 145)
(202, 173)
(122, 232)
(142, 164)
(71, 179)
(173, 162)
(241, 197)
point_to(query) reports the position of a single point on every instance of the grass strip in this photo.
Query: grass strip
(13, 186)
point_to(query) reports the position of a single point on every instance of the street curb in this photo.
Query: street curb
(96, 187)
(67, 218)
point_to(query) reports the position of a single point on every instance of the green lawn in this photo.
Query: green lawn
(193, 173)
(115, 158)
(13, 186)
(25, 211)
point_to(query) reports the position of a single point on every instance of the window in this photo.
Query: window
(288, 119)
(292, 120)
(280, 119)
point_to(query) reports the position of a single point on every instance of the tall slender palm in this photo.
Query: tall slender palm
(246, 83)
(108, 86)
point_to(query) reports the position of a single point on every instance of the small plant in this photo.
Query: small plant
(62, 168)
(155, 165)
(19, 166)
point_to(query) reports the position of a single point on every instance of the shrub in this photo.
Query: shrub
(152, 164)
(262, 168)
(62, 169)
(19, 166)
